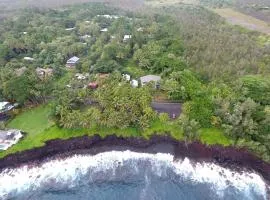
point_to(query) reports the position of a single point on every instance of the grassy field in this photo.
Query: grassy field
(211, 136)
(246, 21)
(40, 129)
(33, 121)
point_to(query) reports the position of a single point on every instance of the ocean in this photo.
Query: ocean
(122, 175)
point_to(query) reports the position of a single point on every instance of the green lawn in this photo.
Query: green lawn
(40, 129)
(32, 121)
(212, 136)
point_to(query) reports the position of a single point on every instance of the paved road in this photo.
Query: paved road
(173, 109)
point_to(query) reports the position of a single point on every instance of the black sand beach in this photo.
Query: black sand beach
(229, 157)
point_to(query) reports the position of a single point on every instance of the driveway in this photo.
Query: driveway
(172, 109)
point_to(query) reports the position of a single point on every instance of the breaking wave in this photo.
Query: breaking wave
(122, 174)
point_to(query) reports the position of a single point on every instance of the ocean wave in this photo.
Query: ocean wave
(69, 173)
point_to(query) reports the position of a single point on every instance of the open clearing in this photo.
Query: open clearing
(241, 19)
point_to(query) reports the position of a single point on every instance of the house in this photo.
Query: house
(127, 37)
(134, 83)
(109, 16)
(70, 29)
(150, 78)
(84, 37)
(104, 30)
(5, 107)
(9, 138)
(71, 63)
(44, 73)
(28, 58)
(126, 77)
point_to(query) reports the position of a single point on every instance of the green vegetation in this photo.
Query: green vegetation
(33, 121)
(212, 136)
(218, 72)
(36, 137)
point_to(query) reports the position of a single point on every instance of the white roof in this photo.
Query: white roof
(9, 138)
(85, 36)
(73, 59)
(70, 29)
(104, 30)
(127, 37)
(109, 16)
(126, 77)
(3, 104)
(28, 58)
(134, 83)
(149, 78)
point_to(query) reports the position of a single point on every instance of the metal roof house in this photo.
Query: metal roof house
(104, 30)
(28, 58)
(5, 107)
(126, 77)
(72, 62)
(134, 83)
(9, 138)
(150, 78)
(127, 37)
(70, 29)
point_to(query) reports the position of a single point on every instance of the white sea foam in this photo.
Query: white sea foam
(67, 171)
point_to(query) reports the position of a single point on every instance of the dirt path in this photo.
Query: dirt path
(237, 18)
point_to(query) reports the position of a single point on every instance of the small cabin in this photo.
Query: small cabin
(9, 138)
(70, 29)
(5, 108)
(104, 30)
(28, 59)
(151, 78)
(134, 83)
(126, 38)
(71, 63)
(126, 77)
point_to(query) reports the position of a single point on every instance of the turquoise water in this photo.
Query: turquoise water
(129, 175)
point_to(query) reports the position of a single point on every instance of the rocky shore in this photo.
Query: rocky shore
(229, 157)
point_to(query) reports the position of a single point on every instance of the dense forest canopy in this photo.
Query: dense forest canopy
(219, 72)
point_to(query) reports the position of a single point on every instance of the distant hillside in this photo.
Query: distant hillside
(9, 6)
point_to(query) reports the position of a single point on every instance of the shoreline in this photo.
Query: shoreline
(227, 157)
